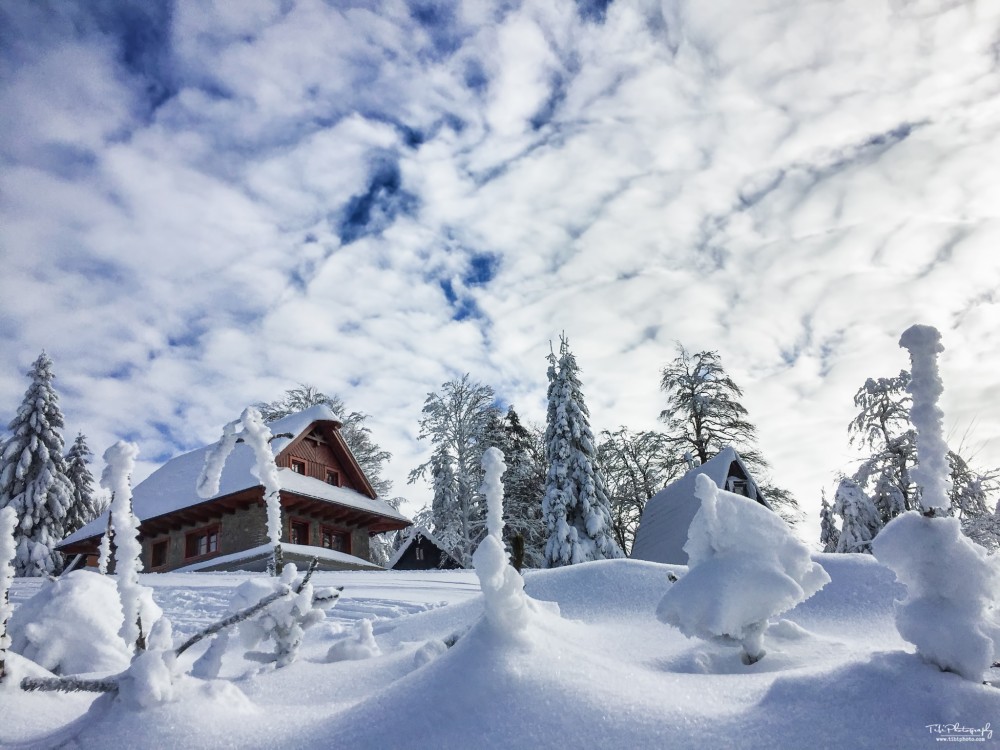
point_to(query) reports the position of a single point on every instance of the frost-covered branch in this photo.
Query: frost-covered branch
(233, 619)
(69, 685)
(120, 460)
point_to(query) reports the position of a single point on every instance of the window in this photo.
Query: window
(419, 551)
(335, 540)
(158, 554)
(298, 466)
(333, 477)
(298, 532)
(202, 542)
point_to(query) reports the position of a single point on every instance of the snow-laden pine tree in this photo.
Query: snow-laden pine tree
(861, 521)
(523, 485)
(457, 421)
(704, 415)
(33, 477)
(85, 506)
(576, 508)
(829, 534)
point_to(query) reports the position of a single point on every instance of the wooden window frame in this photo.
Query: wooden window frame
(335, 475)
(293, 520)
(325, 529)
(204, 531)
(165, 544)
(293, 462)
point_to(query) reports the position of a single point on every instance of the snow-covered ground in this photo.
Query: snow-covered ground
(602, 672)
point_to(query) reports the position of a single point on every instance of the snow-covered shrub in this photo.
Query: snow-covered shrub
(71, 626)
(286, 620)
(507, 606)
(949, 612)
(150, 678)
(120, 461)
(745, 566)
(8, 550)
(361, 646)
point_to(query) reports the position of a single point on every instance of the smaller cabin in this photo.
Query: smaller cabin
(663, 528)
(421, 551)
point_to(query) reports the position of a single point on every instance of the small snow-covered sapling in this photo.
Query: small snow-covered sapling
(745, 566)
(949, 612)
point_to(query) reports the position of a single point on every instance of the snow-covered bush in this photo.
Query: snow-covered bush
(71, 626)
(745, 566)
(949, 612)
(861, 519)
(120, 461)
(507, 606)
(8, 550)
(361, 646)
(286, 620)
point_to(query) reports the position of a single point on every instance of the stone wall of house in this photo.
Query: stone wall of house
(244, 529)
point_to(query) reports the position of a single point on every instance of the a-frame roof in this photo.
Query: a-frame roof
(172, 487)
(663, 528)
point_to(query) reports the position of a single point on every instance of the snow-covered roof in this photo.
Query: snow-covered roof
(288, 549)
(413, 533)
(663, 528)
(172, 486)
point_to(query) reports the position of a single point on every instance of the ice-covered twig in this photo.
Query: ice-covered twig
(69, 685)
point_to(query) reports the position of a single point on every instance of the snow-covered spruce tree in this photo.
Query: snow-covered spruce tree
(704, 415)
(744, 567)
(33, 475)
(829, 534)
(119, 462)
(636, 465)
(457, 422)
(257, 436)
(949, 612)
(523, 485)
(358, 436)
(8, 550)
(85, 506)
(575, 507)
(861, 522)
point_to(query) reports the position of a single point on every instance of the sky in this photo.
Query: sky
(204, 204)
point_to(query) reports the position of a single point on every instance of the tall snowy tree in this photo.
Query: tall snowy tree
(33, 477)
(357, 434)
(457, 422)
(829, 534)
(704, 415)
(576, 507)
(85, 506)
(636, 466)
(523, 483)
(861, 521)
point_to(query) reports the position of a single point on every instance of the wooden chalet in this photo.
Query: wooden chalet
(422, 551)
(329, 508)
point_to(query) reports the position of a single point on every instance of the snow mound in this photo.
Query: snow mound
(361, 646)
(71, 626)
(745, 566)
